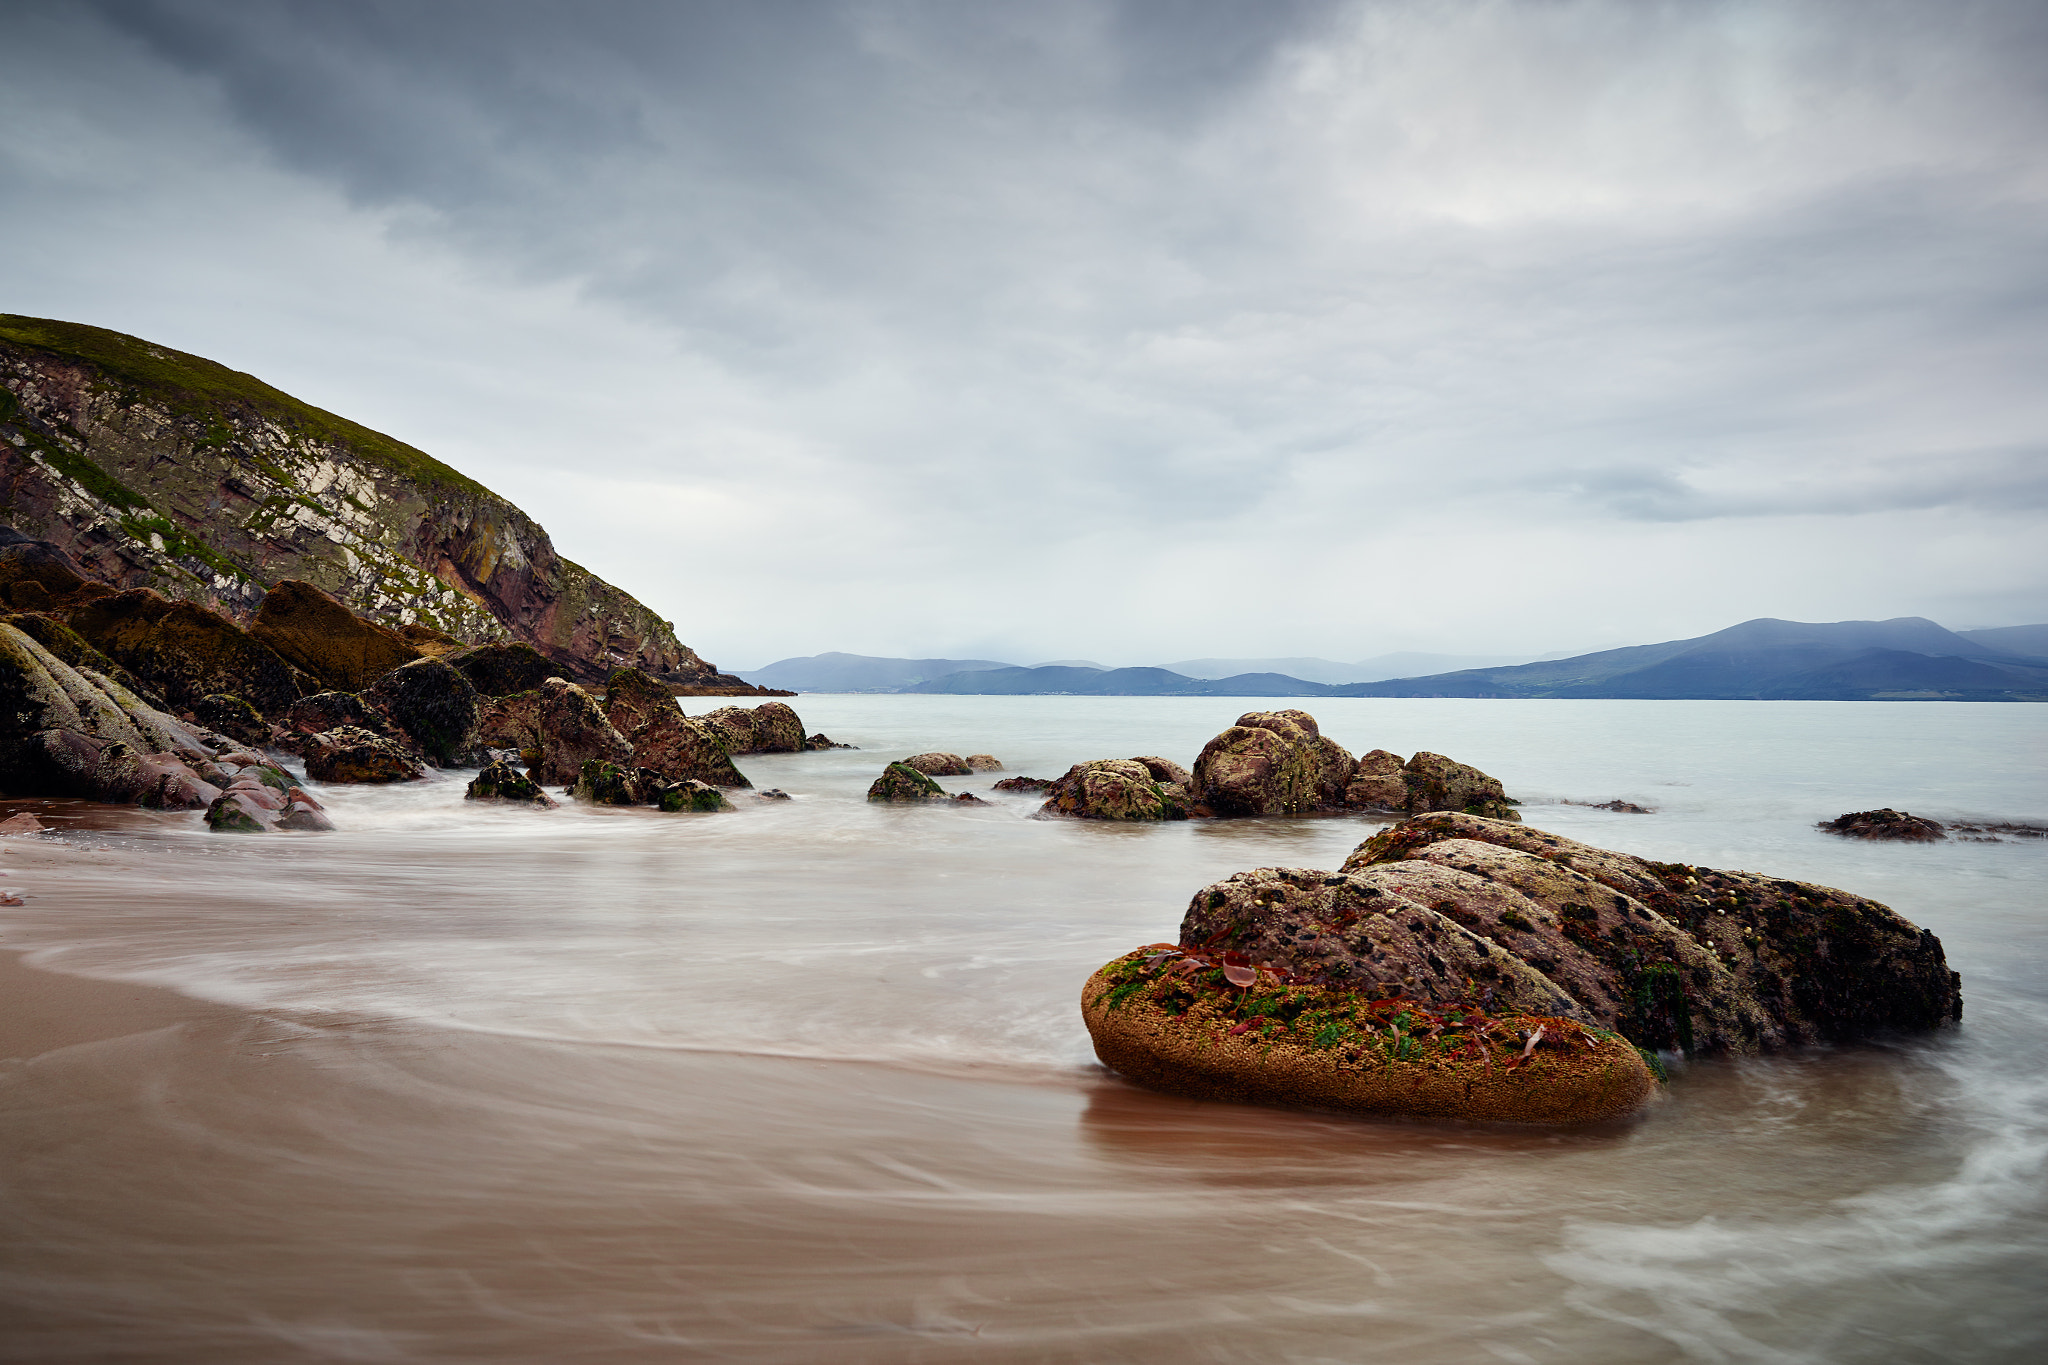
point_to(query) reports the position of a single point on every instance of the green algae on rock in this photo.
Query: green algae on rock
(1201, 1026)
(901, 782)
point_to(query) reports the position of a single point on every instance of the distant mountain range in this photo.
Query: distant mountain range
(1406, 664)
(1908, 658)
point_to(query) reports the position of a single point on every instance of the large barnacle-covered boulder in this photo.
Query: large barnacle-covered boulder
(1473, 919)
(1120, 789)
(1271, 763)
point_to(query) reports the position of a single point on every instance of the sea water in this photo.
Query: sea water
(807, 1081)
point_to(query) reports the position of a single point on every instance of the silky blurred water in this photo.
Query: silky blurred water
(807, 1080)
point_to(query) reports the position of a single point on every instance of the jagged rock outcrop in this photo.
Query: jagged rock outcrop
(500, 781)
(1271, 763)
(680, 748)
(153, 468)
(1118, 789)
(187, 652)
(328, 711)
(324, 639)
(771, 728)
(568, 729)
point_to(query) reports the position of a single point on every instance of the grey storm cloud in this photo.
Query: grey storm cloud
(1086, 327)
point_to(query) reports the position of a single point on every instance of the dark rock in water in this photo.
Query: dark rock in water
(350, 754)
(500, 781)
(1884, 824)
(1271, 763)
(968, 799)
(569, 731)
(939, 765)
(1114, 789)
(1626, 807)
(771, 794)
(692, 796)
(1023, 784)
(1989, 831)
(261, 798)
(604, 783)
(499, 670)
(315, 633)
(984, 763)
(821, 741)
(771, 728)
(679, 747)
(434, 706)
(186, 652)
(901, 782)
(233, 717)
(613, 784)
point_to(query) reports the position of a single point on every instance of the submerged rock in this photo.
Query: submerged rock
(318, 635)
(1885, 823)
(263, 797)
(1115, 789)
(1458, 922)
(500, 781)
(901, 782)
(352, 755)
(1024, 784)
(823, 741)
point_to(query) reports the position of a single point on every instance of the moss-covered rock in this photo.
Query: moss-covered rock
(1271, 763)
(771, 728)
(500, 781)
(1174, 1020)
(901, 782)
(434, 706)
(318, 635)
(688, 796)
(1114, 789)
(262, 797)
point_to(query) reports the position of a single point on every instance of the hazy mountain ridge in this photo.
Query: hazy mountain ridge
(1906, 658)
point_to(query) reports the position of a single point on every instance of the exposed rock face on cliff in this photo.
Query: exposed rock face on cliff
(156, 469)
(319, 636)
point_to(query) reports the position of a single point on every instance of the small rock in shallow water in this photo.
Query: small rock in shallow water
(773, 794)
(500, 781)
(901, 782)
(22, 823)
(1884, 824)
(1023, 784)
(984, 763)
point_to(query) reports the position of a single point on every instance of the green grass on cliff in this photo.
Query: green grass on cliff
(192, 386)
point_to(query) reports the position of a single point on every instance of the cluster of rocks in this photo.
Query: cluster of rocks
(1471, 918)
(1274, 763)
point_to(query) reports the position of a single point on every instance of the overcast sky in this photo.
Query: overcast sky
(1132, 331)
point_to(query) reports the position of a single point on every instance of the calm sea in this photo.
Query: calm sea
(807, 1082)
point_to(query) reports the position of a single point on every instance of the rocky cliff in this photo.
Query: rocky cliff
(158, 469)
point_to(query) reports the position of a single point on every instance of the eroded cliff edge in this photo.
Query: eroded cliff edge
(158, 469)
